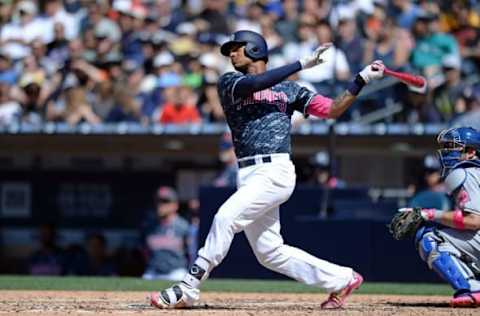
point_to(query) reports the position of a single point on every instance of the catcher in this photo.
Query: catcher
(450, 241)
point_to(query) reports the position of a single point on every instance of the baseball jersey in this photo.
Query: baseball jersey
(166, 243)
(260, 123)
(464, 185)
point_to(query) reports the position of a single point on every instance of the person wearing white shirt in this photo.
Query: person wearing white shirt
(16, 36)
(55, 13)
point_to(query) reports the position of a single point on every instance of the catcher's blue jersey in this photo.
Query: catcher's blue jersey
(260, 123)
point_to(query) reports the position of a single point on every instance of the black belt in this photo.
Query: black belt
(251, 161)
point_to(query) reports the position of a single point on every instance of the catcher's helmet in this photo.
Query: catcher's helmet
(453, 142)
(255, 45)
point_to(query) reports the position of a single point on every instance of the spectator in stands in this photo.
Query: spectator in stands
(97, 19)
(215, 16)
(406, 13)
(447, 95)
(322, 172)
(288, 23)
(209, 102)
(125, 107)
(228, 175)
(99, 262)
(182, 110)
(58, 48)
(432, 191)
(464, 21)
(6, 9)
(48, 258)
(55, 13)
(16, 35)
(389, 43)
(32, 103)
(351, 43)
(335, 69)
(471, 101)
(418, 107)
(166, 239)
(432, 45)
(10, 110)
(251, 21)
(8, 74)
(274, 40)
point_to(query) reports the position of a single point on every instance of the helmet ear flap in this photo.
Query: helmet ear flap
(252, 51)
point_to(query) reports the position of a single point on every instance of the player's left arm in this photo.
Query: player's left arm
(326, 108)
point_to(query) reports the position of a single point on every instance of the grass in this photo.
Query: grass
(215, 285)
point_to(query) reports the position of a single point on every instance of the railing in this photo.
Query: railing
(307, 128)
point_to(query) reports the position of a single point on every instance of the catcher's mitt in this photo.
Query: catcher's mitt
(405, 224)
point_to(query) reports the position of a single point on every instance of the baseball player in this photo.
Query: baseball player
(449, 241)
(258, 105)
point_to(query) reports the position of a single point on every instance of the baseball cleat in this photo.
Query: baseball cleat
(337, 299)
(469, 299)
(178, 296)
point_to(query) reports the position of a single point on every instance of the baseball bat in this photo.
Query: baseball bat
(409, 79)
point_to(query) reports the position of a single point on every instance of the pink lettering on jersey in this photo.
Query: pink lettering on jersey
(462, 198)
(268, 96)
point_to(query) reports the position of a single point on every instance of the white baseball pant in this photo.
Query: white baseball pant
(254, 209)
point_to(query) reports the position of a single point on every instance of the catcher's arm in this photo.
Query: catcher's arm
(455, 219)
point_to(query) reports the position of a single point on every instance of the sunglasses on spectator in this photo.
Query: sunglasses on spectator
(162, 200)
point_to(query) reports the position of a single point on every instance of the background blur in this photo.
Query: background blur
(104, 102)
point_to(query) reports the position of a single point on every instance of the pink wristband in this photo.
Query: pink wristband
(458, 220)
(430, 212)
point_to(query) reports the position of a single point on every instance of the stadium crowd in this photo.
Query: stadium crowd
(157, 61)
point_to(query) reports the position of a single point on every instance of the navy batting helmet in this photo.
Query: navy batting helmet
(453, 142)
(255, 45)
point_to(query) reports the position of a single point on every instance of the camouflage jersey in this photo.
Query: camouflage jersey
(260, 123)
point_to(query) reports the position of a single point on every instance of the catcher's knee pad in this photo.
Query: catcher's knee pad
(445, 263)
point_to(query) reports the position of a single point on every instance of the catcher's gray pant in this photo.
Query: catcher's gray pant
(254, 209)
(453, 254)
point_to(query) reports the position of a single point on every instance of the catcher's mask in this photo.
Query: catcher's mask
(453, 144)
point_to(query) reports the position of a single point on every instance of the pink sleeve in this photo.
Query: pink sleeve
(319, 106)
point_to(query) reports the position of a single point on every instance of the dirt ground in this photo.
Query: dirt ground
(135, 303)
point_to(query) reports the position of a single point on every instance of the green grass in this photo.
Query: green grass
(217, 285)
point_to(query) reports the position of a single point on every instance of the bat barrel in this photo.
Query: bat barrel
(407, 78)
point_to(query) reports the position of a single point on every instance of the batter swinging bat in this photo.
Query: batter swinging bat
(409, 79)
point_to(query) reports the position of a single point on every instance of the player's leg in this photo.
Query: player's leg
(448, 254)
(261, 187)
(268, 246)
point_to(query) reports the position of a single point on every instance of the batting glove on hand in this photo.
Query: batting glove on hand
(428, 214)
(373, 71)
(316, 57)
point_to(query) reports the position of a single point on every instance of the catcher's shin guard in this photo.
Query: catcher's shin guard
(445, 263)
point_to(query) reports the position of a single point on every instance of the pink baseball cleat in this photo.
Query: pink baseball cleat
(337, 299)
(470, 299)
(178, 296)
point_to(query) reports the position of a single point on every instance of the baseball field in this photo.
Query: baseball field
(127, 296)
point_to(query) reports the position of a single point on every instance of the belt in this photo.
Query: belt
(252, 161)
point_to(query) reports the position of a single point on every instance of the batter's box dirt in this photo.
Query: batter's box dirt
(47, 303)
